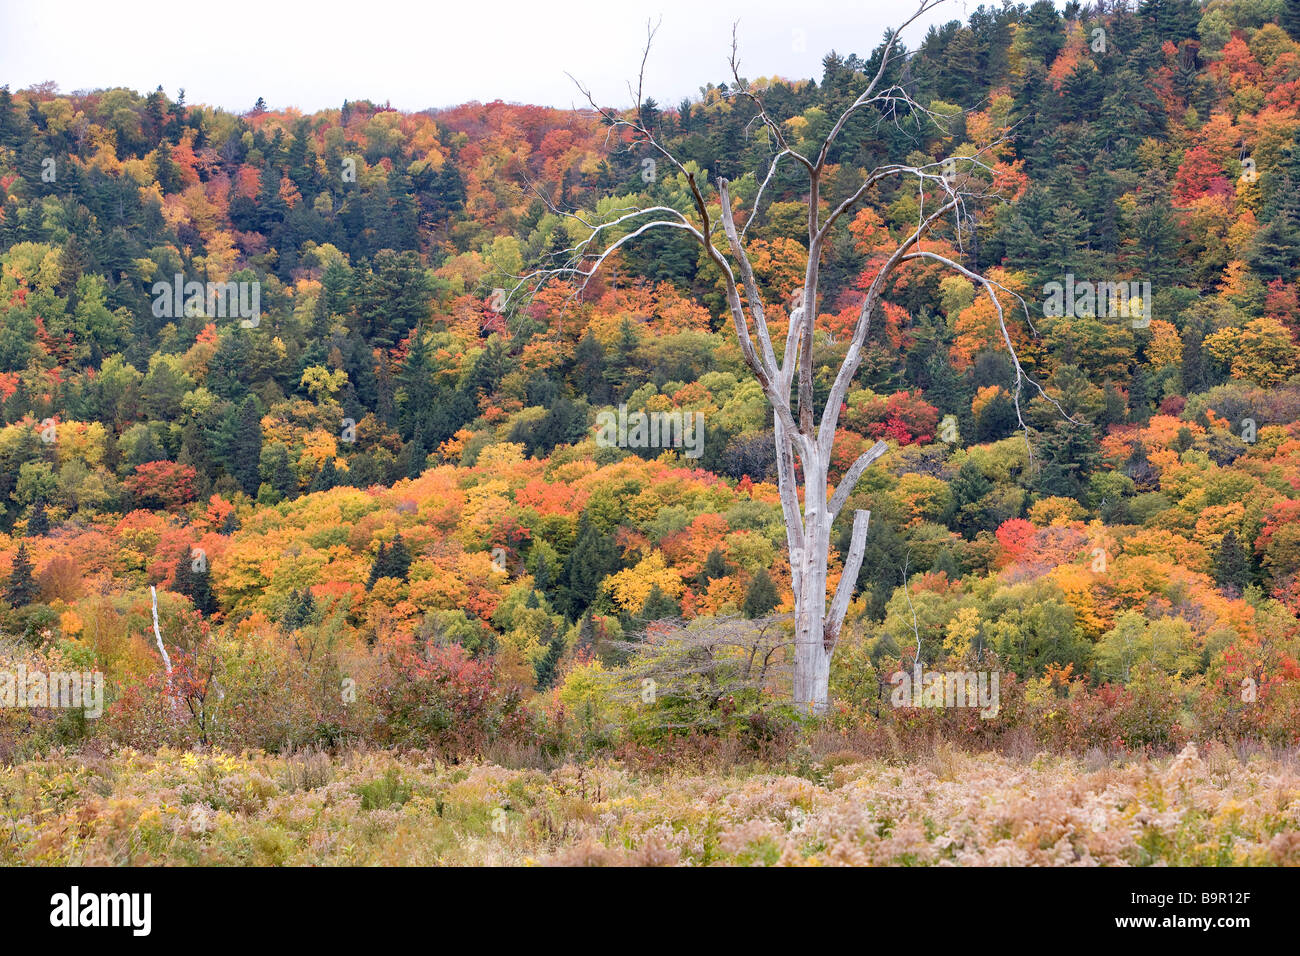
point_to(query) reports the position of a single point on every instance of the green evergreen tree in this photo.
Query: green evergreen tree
(1289, 18)
(1139, 467)
(1231, 563)
(300, 610)
(183, 579)
(996, 420)
(399, 559)
(969, 486)
(547, 668)
(201, 591)
(379, 567)
(715, 566)
(592, 559)
(246, 454)
(761, 597)
(1070, 453)
(278, 472)
(22, 586)
(38, 523)
(658, 607)
(587, 636)
(946, 563)
(326, 478)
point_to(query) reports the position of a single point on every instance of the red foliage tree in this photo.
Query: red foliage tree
(162, 484)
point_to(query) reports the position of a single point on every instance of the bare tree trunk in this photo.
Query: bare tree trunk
(818, 621)
(812, 663)
(157, 634)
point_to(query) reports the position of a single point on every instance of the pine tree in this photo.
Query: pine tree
(548, 668)
(277, 471)
(1114, 410)
(246, 455)
(1138, 396)
(326, 478)
(761, 597)
(417, 452)
(996, 420)
(1231, 563)
(622, 374)
(1289, 18)
(147, 450)
(10, 123)
(183, 579)
(715, 566)
(195, 583)
(399, 559)
(587, 636)
(588, 374)
(391, 561)
(38, 524)
(201, 592)
(22, 586)
(946, 563)
(380, 566)
(969, 486)
(542, 575)
(416, 394)
(559, 247)
(592, 559)
(1070, 453)
(1138, 467)
(300, 611)
(658, 607)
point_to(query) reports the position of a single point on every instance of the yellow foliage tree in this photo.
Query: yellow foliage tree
(632, 586)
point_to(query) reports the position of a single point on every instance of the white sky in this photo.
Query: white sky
(429, 54)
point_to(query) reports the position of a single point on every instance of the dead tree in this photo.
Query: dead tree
(944, 189)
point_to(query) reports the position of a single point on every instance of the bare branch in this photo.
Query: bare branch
(742, 88)
(758, 198)
(1021, 375)
(855, 472)
(848, 580)
(853, 357)
(750, 283)
(866, 96)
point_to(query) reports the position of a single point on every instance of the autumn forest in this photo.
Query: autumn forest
(463, 486)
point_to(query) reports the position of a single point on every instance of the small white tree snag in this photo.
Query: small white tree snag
(157, 633)
(808, 438)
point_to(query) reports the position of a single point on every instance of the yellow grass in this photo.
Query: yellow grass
(945, 808)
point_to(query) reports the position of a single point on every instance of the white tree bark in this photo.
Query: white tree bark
(157, 633)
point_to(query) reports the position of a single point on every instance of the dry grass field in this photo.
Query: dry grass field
(1213, 807)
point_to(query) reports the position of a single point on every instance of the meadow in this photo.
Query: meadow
(942, 808)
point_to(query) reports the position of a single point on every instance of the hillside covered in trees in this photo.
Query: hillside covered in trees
(376, 507)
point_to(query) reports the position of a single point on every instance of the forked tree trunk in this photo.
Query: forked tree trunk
(819, 616)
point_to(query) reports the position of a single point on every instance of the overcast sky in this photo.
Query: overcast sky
(428, 54)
